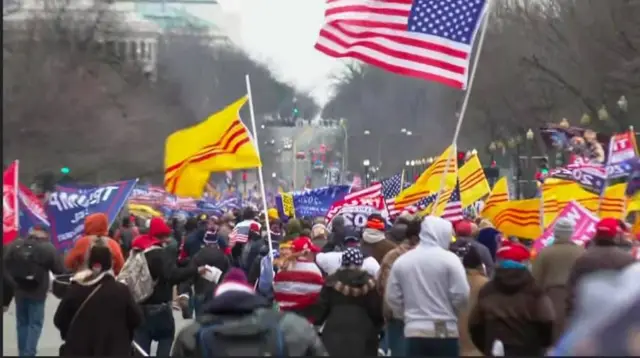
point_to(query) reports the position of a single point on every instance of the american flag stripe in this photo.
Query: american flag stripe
(453, 208)
(399, 36)
(372, 191)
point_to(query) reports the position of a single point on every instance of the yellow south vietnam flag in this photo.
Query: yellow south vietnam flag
(519, 218)
(473, 183)
(219, 143)
(613, 203)
(499, 194)
(430, 180)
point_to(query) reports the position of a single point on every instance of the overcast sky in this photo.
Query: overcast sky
(282, 34)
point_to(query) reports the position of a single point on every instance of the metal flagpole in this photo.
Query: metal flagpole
(260, 174)
(465, 102)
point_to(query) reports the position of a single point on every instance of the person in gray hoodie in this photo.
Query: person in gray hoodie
(428, 287)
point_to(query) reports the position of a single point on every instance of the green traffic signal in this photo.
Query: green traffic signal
(65, 170)
(295, 111)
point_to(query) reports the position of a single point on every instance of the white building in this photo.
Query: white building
(141, 24)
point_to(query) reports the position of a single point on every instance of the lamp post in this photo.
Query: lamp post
(345, 155)
(366, 163)
(530, 174)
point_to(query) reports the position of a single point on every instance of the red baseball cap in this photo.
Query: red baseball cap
(513, 252)
(463, 228)
(607, 228)
(304, 243)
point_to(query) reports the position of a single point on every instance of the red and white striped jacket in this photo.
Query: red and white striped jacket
(298, 287)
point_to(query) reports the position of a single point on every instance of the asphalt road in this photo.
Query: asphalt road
(50, 340)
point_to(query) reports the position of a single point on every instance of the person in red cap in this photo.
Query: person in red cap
(297, 284)
(512, 308)
(603, 253)
(374, 239)
(158, 324)
(464, 230)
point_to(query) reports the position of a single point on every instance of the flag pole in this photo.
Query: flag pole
(465, 102)
(260, 174)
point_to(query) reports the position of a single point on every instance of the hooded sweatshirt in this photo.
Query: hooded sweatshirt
(94, 225)
(428, 284)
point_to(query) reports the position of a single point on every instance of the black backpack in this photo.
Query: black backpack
(25, 265)
(257, 337)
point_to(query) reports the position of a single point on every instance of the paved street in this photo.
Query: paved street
(50, 339)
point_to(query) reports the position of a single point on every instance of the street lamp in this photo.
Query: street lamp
(603, 114)
(529, 135)
(413, 162)
(409, 133)
(273, 175)
(366, 132)
(407, 163)
(623, 104)
(403, 130)
(262, 126)
(365, 164)
(564, 123)
(585, 119)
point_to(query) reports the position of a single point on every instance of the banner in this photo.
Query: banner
(591, 177)
(31, 211)
(584, 226)
(622, 149)
(356, 211)
(311, 203)
(68, 207)
(148, 195)
(10, 208)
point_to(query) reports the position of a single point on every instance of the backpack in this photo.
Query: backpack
(136, 276)
(258, 337)
(25, 265)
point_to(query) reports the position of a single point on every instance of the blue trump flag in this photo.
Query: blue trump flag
(68, 207)
(31, 211)
(314, 202)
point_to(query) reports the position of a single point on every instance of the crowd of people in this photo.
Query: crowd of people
(422, 286)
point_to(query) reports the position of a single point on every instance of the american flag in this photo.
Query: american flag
(453, 209)
(240, 233)
(428, 39)
(391, 189)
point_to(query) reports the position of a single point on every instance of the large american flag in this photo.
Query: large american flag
(453, 209)
(428, 39)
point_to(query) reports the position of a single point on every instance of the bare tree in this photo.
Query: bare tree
(69, 101)
(541, 61)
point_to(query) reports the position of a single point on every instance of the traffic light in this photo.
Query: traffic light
(461, 156)
(295, 111)
(65, 170)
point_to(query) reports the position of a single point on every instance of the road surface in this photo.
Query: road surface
(50, 340)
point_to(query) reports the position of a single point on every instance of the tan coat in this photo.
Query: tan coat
(476, 280)
(551, 270)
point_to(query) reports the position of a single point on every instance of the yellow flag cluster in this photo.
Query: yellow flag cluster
(430, 180)
(219, 143)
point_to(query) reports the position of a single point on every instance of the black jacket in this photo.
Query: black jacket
(105, 326)
(351, 309)
(51, 261)
(166, 274)
(212, 256)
